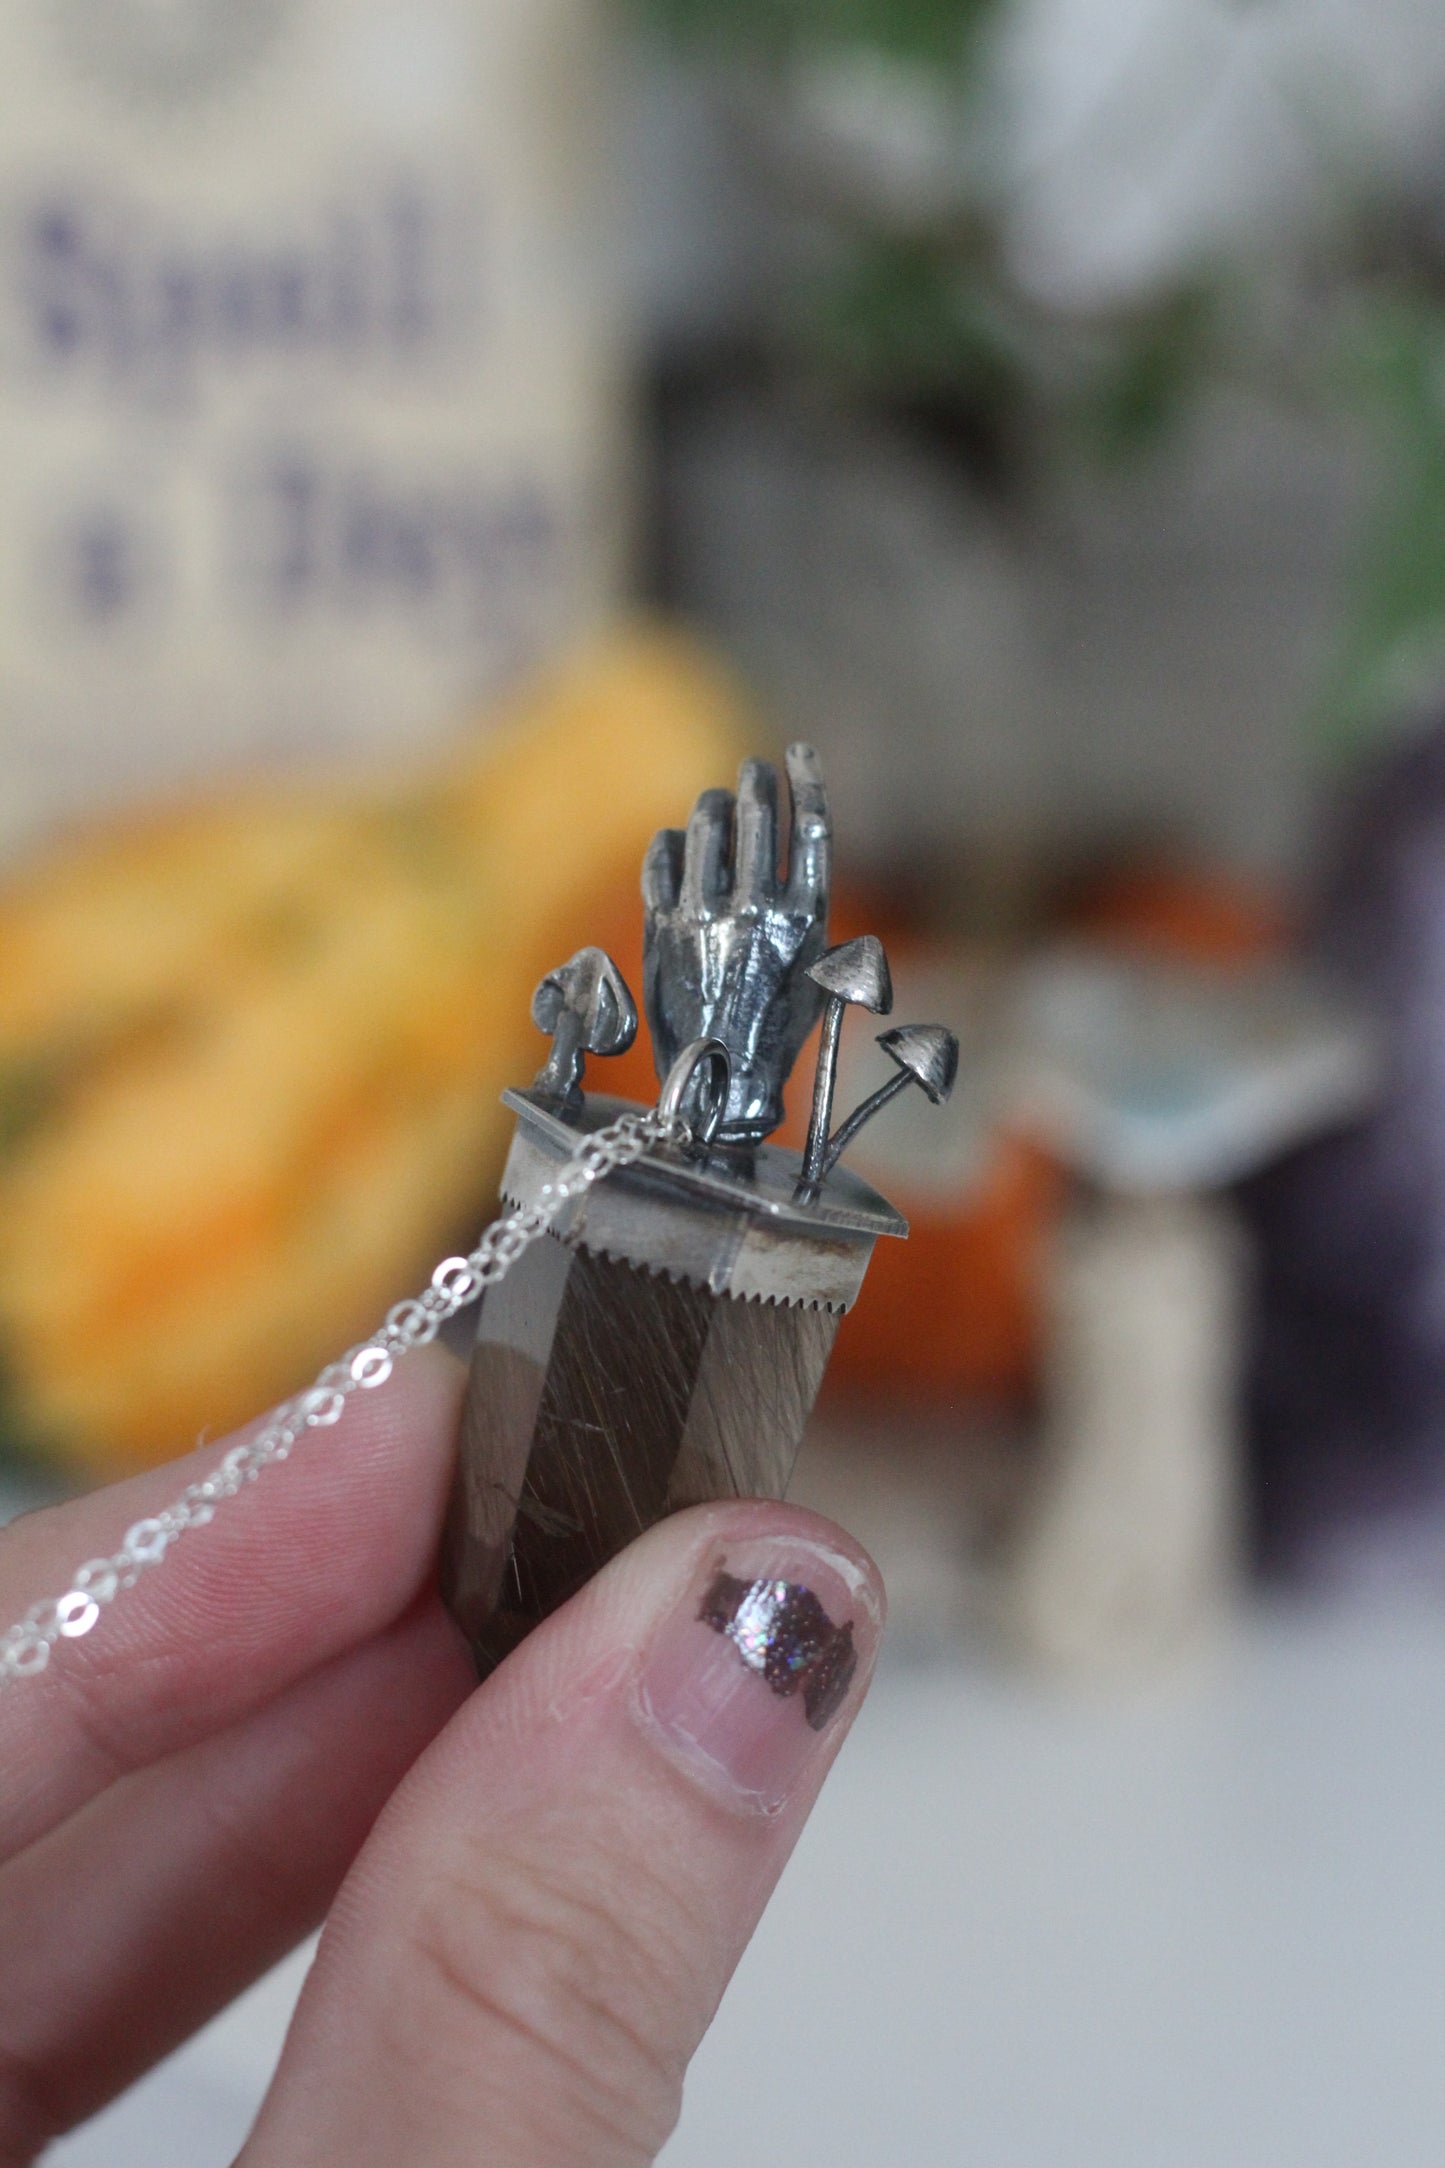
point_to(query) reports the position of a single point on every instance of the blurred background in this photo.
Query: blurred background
(441, 436)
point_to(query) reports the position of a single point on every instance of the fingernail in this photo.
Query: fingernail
(769, 1649)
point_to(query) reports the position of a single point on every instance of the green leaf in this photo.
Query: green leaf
(936, 33)
(1155, 362)
(903, 319)
(1392, 651)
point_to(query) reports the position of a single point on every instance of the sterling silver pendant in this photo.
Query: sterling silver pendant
(664, 1343)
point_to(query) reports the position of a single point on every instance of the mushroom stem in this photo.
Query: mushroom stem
(560, 1075)
(824, 1081)
(843, 1136)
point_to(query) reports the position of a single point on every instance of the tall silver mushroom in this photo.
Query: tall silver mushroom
(586, 1006)
(926, 1054)
(853, 972)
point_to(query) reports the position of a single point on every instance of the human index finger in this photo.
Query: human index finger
(316, 1558)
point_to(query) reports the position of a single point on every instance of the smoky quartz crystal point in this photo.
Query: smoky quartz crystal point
(664, 1344)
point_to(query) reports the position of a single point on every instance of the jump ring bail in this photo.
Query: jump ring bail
(682, 1079)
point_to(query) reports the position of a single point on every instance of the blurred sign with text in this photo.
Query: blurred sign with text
(311, 373)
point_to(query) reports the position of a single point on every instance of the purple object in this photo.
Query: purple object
(1347, 1399)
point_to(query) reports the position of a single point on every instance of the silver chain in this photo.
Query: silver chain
(25, 1647)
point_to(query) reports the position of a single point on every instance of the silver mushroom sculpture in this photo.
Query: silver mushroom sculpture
(586, 1006)
(856, 974)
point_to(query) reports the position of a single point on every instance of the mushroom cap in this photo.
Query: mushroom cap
(856, 971)
(590, 986)
(928, 1052)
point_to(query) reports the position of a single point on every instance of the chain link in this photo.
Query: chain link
(25, 1648)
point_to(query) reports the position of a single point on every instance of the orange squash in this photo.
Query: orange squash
(251, 1049)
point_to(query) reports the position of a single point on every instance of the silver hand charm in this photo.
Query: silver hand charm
(728, 941)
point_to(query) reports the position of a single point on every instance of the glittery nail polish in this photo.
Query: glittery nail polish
(772, 1643)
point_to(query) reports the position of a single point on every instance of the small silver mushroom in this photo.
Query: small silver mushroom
(586, 1006)
(926, 1054)
(855, 972)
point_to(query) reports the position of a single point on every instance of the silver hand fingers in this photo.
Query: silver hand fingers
(757, 834)
(705, 852)
(662, 870)
(810, 857)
